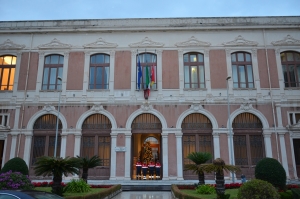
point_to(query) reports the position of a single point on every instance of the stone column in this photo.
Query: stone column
(179, 155)
(165, 156)
(268, 146)
(284, 160)
(216, 141)
(127, 155)
(27, 147)
(113, 156)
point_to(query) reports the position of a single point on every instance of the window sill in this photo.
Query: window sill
(244, 89)
(194, 89)
(292, 88)
(99, 90)
(50, 90)
(6, 91)
(144, 89)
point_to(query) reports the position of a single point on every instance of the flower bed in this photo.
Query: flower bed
(49, 184)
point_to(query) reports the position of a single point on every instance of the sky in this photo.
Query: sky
(24, 10)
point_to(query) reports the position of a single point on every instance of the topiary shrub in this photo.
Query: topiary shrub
(272, 171)
(257, 189)
(15, 165)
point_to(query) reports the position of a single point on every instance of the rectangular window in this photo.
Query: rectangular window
(240, 150)
(104, 150)
(194, 74)
(3, 120)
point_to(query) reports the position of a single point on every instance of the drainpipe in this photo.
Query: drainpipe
(25, 95)
(271, 95)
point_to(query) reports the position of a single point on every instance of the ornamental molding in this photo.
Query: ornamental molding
(97, 108)
(4, 128)
(295, 127)
(246, 106)
(240, 41)
(196, 107)
(287, 41)
(146, 106)
(146, 42)
(48, 108)
(100, 43)
(9, 45)
(54, 44)
(191, 42)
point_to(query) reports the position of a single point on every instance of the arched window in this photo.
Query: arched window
(53, 68)
(194, 76)
(146, 67)
(248, 142)
(7, 71)
(291, 68)
(44, 132)
(242, 73)
(99, 71)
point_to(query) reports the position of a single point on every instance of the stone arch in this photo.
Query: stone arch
(96, 109)
(47, 110)
(249, 109)
(197, 109)
(146, 110)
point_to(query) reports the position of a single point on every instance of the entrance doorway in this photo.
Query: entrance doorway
(146, 146)
(296, 143)
(1, 152)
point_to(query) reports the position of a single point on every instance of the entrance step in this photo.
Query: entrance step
(146, 187)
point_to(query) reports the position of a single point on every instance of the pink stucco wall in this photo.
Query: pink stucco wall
(263, 68)
(122, 78)
(75, 71)
(33, 69)
(170, 69)
(218, 68)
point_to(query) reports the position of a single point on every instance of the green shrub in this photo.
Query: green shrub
(77, 186)
(256, 189)
(15, 165)
(296, 192)
(272, 171)
(286, 195)
(14, 180)
(205, 189)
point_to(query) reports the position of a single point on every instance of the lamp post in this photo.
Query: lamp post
(57, 119)
(230, 131)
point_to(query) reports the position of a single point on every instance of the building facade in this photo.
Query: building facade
(228, 86)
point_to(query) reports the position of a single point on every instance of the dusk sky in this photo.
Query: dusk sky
(16, 10)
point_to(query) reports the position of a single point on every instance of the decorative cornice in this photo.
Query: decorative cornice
(97, 108)
(287, 41)
(240, 41)
(100, 43)
(192, 42)
(48, 108)
(54, 44)
(246, 106)
(146, 42)
(196, 107)
(9, 45)
(146, 106)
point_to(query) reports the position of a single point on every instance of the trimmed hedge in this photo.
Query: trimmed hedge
(15, 165)
(270, 170)
(296, 193)
(180, 195)
(112, 191)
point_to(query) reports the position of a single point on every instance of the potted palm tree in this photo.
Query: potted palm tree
(86, 163)
(218, 167)
(56, 167)
(198, 158)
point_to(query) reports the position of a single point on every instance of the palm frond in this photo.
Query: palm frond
(87, 163)
(199, 157)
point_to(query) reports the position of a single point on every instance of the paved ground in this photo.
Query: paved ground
(144, 195)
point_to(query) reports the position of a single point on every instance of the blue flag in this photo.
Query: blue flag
(140, 74)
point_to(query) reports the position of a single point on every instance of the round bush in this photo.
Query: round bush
(272, 171)
(14, 180)
(15, 165)
(77, 186)
(256, 189)
(205, 189)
